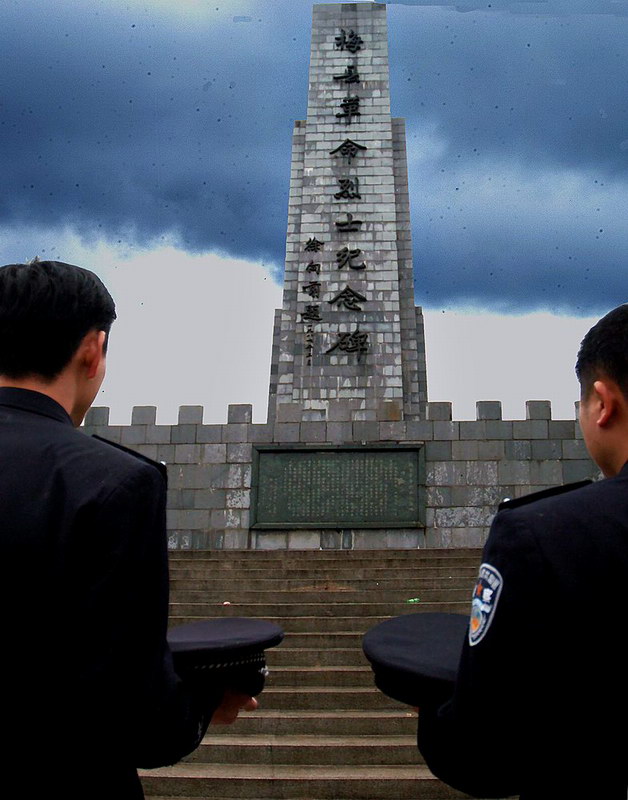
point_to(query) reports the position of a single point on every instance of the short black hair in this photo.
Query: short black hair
(604, 352)
(46, 308)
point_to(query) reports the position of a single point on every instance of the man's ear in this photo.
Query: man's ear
(607, 398)
(93, 351)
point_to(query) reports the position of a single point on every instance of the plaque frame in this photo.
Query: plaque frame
(338, 524)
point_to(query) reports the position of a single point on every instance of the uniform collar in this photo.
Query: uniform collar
(35, 402)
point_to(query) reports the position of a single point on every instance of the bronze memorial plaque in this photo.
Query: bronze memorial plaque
(340, 487)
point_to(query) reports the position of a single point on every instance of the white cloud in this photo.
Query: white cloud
(197, 330)
(191, 329)
(480, 356)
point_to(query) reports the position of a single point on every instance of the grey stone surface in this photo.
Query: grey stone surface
(439, 411)
(240, 413)
(133, 434)
(97, 415)
(340, 432)
(191, 415)
(158, 434)
(519, 449)
(286, 432)
(473, 430)
(271, 541)
(183, 433)
(488, 409)
(491, 450)
(551, 449)
(235, 432)
(538, 409)
(392, 431)
(187, 453)
(304, 540)
(148, 450)
(365, 431)
(438, 451)
(530, 429)
(214, 453)
(446, 430)
(563, 429)
(313, 432)
(579, 471)
(574, 449)
(240, 453)
(143, 415)
(498, 429)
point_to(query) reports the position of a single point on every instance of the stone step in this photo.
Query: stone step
(307, 750)
(320, 676)
(322, 730)
(296, 568)
(322, 723)
(319, 657)
(236, 610)
(377, 591)
(248, 556)
(329, 698)
(328, 624)
(295, 608)
(320, 576)
(278, 781)
(402, 589)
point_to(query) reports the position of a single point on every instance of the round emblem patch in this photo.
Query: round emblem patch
(484, 602)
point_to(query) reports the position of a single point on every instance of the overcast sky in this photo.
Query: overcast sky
(151, 141)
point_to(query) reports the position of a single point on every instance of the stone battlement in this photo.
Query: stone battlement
(340, 411)
(469, 467)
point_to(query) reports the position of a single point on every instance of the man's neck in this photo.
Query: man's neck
(59, 389)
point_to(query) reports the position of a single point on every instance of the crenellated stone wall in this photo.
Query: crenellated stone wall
(470, 466)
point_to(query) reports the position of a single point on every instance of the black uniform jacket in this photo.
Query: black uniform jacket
(541, 701)
(87, 688)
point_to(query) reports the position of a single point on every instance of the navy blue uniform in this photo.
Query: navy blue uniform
(86, 678)
(541, 699)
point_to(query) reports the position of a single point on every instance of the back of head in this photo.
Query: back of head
(604, 352)
(46, 308)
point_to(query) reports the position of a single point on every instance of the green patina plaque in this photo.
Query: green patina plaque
(342, 487)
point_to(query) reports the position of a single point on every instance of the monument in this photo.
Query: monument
(353, 455)
(349, 332)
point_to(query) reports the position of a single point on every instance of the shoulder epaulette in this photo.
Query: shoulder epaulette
(158, 464)
(517, 502)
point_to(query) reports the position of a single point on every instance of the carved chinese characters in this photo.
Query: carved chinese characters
(346, 256)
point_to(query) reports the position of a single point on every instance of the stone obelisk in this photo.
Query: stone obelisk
(348, 341)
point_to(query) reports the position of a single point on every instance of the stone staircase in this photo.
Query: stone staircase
(322, 730)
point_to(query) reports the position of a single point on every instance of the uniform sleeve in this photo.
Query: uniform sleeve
(478, 741)
(140, 703)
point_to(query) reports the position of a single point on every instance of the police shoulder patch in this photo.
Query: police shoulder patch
(485, 597)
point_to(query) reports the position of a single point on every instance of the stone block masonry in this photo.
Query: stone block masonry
(470, 466)
(348, 327)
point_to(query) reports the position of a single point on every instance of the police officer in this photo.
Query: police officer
(87, 688)
(541, 700)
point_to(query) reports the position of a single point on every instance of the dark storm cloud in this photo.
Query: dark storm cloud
(518, 146)
(136, 122)
(536, 7)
